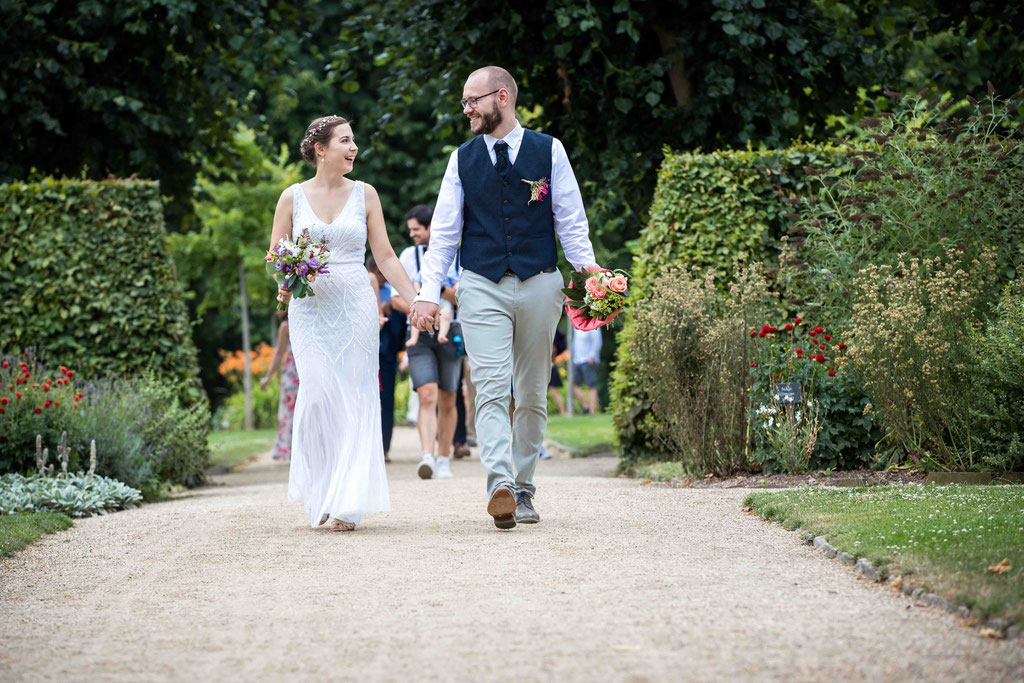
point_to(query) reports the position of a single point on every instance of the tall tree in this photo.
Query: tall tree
(399, 153)
(137, 87)
(223, 261)
(617, 80)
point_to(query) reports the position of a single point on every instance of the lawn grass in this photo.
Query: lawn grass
(941, 538)
(658, 470)
(232, 448)
(585, 434)
(17, 531)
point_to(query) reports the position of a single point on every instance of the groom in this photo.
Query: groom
(493, 197)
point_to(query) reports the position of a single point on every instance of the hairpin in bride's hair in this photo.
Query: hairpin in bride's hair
(326, 121)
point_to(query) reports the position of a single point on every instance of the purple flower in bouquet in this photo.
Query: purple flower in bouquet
(296, 264)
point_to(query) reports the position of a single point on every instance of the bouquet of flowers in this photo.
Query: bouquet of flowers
(595, 296)
(295, 265)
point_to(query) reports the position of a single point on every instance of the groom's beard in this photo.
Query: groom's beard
(489, 121)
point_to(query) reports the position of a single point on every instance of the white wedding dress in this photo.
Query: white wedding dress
(337, 465)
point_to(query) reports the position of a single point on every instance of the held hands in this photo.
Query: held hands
(423, 316)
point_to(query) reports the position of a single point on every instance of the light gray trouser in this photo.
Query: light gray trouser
(509, 327)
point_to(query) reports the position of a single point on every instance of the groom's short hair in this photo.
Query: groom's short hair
(500, 78)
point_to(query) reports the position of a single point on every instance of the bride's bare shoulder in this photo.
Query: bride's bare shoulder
(370, 191)
(371, 196)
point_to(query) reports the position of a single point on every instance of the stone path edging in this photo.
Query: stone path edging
(863, 566)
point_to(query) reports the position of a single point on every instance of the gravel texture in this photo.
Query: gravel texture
(619, 581)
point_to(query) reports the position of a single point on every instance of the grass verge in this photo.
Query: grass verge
(941, 538)
(233, 448)
(585, 434)
(17, 531)
(657, 470)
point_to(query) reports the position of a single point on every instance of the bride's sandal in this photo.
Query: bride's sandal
(341, 525)
(323, 520)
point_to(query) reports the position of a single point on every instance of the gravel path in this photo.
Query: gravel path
(619, 581)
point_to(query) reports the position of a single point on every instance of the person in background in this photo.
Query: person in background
(283, 360)
(417, 221)
(391, 336)
(434, 367)
(444, 326)
(555, 383)
(586, 355)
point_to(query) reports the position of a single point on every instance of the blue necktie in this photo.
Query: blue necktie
(501, 151)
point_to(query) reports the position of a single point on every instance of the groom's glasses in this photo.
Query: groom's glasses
(473, 102)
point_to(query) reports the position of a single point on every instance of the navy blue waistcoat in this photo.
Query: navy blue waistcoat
(502, 230)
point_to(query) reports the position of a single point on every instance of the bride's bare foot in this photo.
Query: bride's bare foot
(341, 525)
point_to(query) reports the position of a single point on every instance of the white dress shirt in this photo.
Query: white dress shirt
(586, 346)
(570, 218)
(408, 259)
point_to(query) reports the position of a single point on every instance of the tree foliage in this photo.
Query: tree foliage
(235, 210)
(140, 87)
(618, 79)
(399, 154)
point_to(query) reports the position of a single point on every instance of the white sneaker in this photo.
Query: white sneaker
(426, 468)
(545, 454)
(444, 470)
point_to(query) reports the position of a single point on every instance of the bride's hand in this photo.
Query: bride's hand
(283, 294)
(422, 316)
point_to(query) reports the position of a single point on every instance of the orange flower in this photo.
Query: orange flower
(232, 366)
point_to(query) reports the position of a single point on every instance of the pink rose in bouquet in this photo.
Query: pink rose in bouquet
(592, 301)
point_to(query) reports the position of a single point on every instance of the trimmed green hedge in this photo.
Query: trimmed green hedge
(709, 211)
(87, 280)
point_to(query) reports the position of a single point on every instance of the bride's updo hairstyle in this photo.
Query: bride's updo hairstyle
(319, 130)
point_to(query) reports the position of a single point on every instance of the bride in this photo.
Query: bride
(337, 465)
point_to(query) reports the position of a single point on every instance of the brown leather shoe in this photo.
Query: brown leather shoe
(460, 450)
(502, 507)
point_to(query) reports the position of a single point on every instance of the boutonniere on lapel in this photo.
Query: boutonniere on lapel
(538, 189)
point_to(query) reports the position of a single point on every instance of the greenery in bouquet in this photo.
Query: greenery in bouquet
(295, 265)
(597, 293)
(828, 428)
